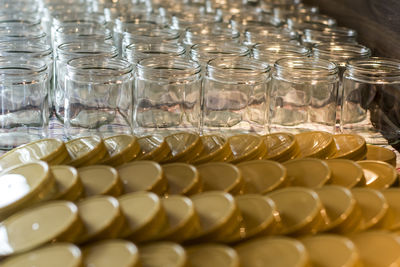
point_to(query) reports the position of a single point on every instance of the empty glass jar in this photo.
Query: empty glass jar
(136, 52)
(98, 97)
(271, 52)
(371, 99)
(235, 95)
(329, 35)
(166, 95)
(265, 35)
(303, 96)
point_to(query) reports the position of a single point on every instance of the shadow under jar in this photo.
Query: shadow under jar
(371, 99)
(303, 96)
(166, 95)
(98, 97)
(235, 95)
(24, 108)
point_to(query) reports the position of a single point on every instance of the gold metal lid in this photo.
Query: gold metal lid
(212, 255)
(102, 218)
(112, 252)
(221, 176)
(182, 178)
(381, 154)
(100, 180)
(350, 146)
(23, 185)
(215, 148)
(162, 254)
(246, 147)
(68, 182)
(153, 147)
(31, 228)
(52, 151)
(58, 254)
(143, 176)
(184, 147)
(307, 172)
(121, 149)
(85, 151)
(346, 173)
(281, 146)
(316, 144)
(391, 221)
(378, 174)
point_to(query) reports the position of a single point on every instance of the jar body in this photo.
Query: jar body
(371, 99)
(235, 95)
(166, 95)
(98, 97)
(303, 96)
(24, 111)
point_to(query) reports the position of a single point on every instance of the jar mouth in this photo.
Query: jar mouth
(212, 32)
(342, 50)
(99, 67)
(83, 30)
(167, 34)
(281, 49)
(22, 34)
(122, 22)
(258, 31)
(87, 48)
(334, 31)
(19, 67)
(215, 49)
(21, 47)
(168, 65)
(306, 66)
(237, 66)
(155, 48)
(316, 19)
(375, 65)
(79, 18)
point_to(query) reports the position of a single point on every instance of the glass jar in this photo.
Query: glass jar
(263, 34)
(66, 52)
(207, 33)
(27, 35)
(315, 19)
(242, 21)
(24, 108)
(98, 97)
(329, 35)
(371, 99)
(185, 20)
(303, 96)
(167, 95)
(203, 53)
(235, 95)
(136, 52)
(271, 52)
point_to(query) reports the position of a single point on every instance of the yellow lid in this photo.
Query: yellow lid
(184, 147)
(221, 176)
(182, 178)
(307, 172)
(100, 180)
(378, 248)
(121, 149)
(350, 146)
(215, 148)
(112, 252)
(300, 210)
(102, 218)
(391, 221)
(346, 173)
(182, 219)
(86, 151)
(162, 254)
(49, 150)
(316, 144)
(154, 148)
(58, 254)
(262, 176)
(246, 147)
(260, 216)
(331, 250)
(144, 213)
(31, 228)
(273, 251)
(212, 255)
(218, 214)
(378, 174)
(281, 146)
(143, 176)
(373, 206)
(24, 185)
(68, 182)
(340, 206)
(382, 154)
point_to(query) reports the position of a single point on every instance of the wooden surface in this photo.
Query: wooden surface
(376, 21)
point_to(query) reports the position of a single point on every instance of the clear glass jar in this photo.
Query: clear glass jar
(8, 18)
(207, 33)
(185, 20)
(24, 6)
(262, 34)
(27, 35)
(303, 96)
(235, 95)
(136, 52)
(315, 19)
(271, 52)
(203, 53)
(371, 99)
(24, 108)
(242, 21)
(167, 95)
(329, 35)
(68, 51)
(98, 97)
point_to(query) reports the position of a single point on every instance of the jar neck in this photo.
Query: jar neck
(374, 70)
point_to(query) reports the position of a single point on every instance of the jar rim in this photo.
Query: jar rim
(75, 29)
(169, 63)
(236, 65)
(24, 48)
(87, 48)
(172, 48)
(99, 67)
(219, 48)
(375, 65)
(14, 67)
(278, 47)
(332, 31)
(306, 66)
(341, 49)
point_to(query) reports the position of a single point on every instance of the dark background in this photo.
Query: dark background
(376, 21)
